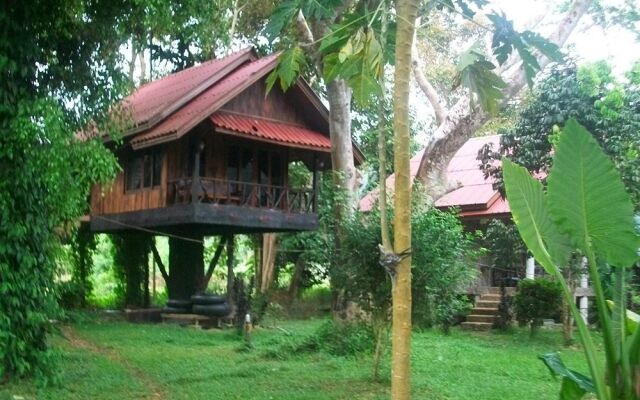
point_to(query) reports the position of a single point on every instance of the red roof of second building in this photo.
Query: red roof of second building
(474, 195)
(270, 131)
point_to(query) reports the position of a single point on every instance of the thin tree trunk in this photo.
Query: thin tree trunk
(143, 67)
(567, 319)
(132, 63)
(406, 11)
(234, 22)
(230, 274)
(382, 155)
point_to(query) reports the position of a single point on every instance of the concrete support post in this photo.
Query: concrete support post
(584, 300)
(531, 268)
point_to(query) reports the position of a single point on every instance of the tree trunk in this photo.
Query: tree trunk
(267, 261)
(296, 278)
(339, 96)
(186, 267)
(462, 121)
(230, 274)
(406, 11)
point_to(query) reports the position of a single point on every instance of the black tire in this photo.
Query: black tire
(176, 303)
(175, 310)
(207, 299)
(213, 310)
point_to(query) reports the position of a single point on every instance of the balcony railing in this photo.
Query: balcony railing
(243, 194)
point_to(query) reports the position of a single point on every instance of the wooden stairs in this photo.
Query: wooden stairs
(485, 311)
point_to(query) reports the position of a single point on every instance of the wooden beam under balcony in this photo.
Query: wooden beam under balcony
(206, 219)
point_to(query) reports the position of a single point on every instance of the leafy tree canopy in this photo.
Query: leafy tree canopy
(608, 108)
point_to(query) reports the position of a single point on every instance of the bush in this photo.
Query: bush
(535, 300)
(341, 339)
(443, 267)
(70, 295)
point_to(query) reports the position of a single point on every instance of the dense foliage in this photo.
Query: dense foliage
(45, 177)
(609, 109)
(536, 300)
(131, 262)
(52, 55)
(443, 266)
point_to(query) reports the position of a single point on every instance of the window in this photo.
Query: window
(143, 170)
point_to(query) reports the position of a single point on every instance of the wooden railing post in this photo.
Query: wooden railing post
(314, 189)
(195, 180)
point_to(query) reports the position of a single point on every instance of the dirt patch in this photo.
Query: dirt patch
(157, 391)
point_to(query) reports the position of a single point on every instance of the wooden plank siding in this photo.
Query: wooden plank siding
(277, 106)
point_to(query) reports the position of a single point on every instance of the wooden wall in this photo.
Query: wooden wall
(276, 106)
(114, 198)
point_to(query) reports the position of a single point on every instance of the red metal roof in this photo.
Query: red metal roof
(266, 130)
(153, 99)
(206, 103)
(474, 194)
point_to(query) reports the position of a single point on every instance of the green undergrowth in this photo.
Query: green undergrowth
(294, 360)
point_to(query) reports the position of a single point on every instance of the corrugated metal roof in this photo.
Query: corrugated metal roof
(206, 103)
(152, 99)
(474, 194)
(271, 131)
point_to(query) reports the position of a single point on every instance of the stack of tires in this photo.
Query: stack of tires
(211, 305)
(177, 306)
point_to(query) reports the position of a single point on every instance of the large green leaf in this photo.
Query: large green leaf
(587, 198)
(632, 319)
(528, 207)
(475, 73)
(281, 17)
(290, 63)
(574, 384)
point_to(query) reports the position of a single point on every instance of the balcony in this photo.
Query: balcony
(216, 191)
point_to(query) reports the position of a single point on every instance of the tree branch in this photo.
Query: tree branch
(423, 83)
(158, 260)
(462, 122)
(309, 41)
(213, 263)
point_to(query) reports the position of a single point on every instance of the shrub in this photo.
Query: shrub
(535, 300)
(444, 267)
(505, 312)
(341, 338)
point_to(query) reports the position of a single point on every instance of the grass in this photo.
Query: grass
(103, 359)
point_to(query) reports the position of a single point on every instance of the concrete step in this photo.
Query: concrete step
(477, 326)
(481, 318)
(488, 304)
(494, 290)
(490, 297)
(484, 311)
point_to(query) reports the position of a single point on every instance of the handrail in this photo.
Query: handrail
(244, 194)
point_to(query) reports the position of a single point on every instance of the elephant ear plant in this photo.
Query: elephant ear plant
(584, 209)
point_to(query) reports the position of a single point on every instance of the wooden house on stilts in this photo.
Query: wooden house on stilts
(207, 154)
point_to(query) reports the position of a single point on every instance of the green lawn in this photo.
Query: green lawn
(117, 360)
